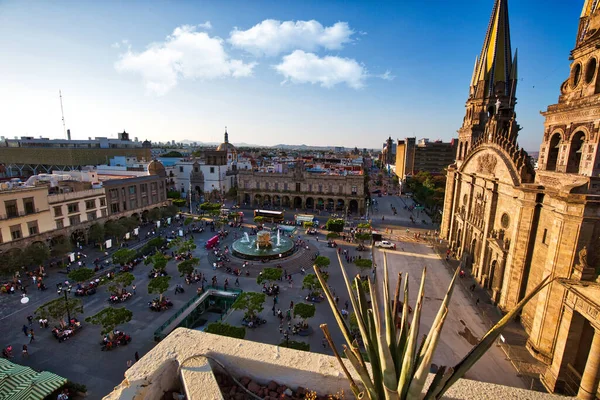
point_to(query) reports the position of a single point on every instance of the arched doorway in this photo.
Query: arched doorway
(553, 151)
(276, 201)
(320, 203)
(310, 203)
(575, 151)
(257, 200)
(473, 251)
(247, 198)
(458, 239)
(492, 274)
(267, 200)
(78, 237)
(340, 205)
(145, 216)
(285, 201)
(297, 202)
(353, 206)
(329, 205)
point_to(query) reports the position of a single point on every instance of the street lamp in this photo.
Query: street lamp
(66, 291)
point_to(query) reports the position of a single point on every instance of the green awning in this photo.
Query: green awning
(18, 382)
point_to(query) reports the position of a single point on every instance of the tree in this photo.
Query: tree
(304, 311)
(154, 214)
(308, 224)
(187, 267)
(115, 230)
(363, 263)
(172, 153)
(159, 285)
(81, 275)
(311, 282)
(332, 235)
(96, 234)
(259, 220)
(109, 318)
(35, 254)
(158, 261)
(362, 236)
(335, 225)
(363, 225)
(208, 206)
(130, 223)
(269, 275)
(169, 211)
(292, 344)
(120, 282)
(123, 256)
(322, 262)
(364, 283)
(223, 329)
(184, 247)
(58, 309)
(188, 221)
(173, 194)
(61, 246)
(250, 302)
(179, 202)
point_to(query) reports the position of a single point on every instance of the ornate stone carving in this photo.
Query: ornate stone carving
(583, 257)
(486, 164)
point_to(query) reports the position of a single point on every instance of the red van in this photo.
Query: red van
(212, 242)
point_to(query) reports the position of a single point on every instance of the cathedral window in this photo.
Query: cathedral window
(575, 151)
(590, 70)
(553, 150)
(505, 221)
(575, 75)
(545, 236)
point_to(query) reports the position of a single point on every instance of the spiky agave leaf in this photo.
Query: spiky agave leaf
(390, 326)
(488, 340)
(353, 385)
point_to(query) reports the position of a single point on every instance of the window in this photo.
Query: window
(74, 220)
(285, 186)
(90, 204)
(59, 224)
(73, 207)
(33, 228)
(103, 212)
(91, 216)
(267, 185)
(320, 188)
(544, 236)
(131, 190)
(124, 205)
(29, 205)
(298, 187)
(132, 204)
(15, 232)
(11, 209)
(310, 187)
(102, 201)
(340, 189)
(144, 189)
(258, 185)
(276, 185)
(114, 193)
(354, 191)
(245, 184)
(114, 208)
(180, 169)
(212, 170)
(58, 211)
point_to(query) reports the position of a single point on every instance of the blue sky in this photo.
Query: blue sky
(345, 73)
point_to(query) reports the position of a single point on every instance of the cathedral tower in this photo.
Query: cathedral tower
(493, 84)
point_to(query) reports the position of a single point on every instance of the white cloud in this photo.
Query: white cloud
(185, 54)
(271, 37)
(302, 67)
(206, 25)
(387, 75)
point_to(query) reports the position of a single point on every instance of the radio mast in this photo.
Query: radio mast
(63, 114)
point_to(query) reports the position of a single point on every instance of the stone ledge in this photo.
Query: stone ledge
(157, 372)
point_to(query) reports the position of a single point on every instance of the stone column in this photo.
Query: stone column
(449, 201)
(591, 374)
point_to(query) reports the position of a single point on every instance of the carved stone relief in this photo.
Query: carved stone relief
(486, 164)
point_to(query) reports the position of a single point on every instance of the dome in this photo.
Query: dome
(227, 147)
(156, 168)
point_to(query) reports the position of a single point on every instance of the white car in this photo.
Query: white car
(385, 244)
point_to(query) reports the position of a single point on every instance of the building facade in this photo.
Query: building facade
(300, 189)
(133, 194)
(514, 227)
(24, 212)
(424, 155)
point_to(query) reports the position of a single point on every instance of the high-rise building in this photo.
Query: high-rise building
(512, 226)
(424, 155)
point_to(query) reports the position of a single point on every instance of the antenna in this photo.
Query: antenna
(62, 113)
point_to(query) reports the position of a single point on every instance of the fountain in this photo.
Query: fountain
(261, 247)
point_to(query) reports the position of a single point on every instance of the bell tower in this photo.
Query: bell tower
(493, 85)
(570, 143)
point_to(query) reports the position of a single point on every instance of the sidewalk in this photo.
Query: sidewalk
(513, 339)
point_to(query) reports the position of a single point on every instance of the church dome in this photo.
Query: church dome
(156, 168)
(228, 147)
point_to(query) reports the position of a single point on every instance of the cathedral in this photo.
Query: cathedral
(512, 226)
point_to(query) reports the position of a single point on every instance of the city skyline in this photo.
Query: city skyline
(317, 74)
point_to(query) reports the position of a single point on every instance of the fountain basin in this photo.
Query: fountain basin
(247, 248)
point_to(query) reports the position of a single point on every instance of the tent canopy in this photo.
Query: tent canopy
(19, 382)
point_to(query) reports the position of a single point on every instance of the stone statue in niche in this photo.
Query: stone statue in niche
(583, 257)
(486, 164)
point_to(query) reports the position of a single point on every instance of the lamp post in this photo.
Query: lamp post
(66, 290)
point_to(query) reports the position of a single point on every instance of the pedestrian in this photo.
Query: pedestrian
(337, 300)
(289, 326)
(31, 336)
(129, 364)
(292, 305)
(137, 357)
(274, 313)
(472, 287)
(30, 319)
(346, 304)
(281, 328)
(25, 352)
(25, 330)
(133, 288)
(324, 343)
(477, 302)
(237, 281)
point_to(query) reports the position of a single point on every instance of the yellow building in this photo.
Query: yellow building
(24, 212)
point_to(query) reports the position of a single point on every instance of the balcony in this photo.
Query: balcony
(20, 214)
(178, 363)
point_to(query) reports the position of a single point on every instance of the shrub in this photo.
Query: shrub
(179, 202)
(363, 263)
(335, 225)
(223, 329)
(292, 344)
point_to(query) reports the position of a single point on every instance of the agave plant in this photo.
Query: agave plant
(399, 361)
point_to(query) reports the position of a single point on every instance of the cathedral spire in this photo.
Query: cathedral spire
(226, 136)
(495, 61)
(589, 8)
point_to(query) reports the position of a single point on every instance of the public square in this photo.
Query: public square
(80, 359)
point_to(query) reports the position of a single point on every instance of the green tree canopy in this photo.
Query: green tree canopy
(58, 309)
(269, 275)
(308, 224)
(159, 285)
(363, 263)
(81, 275)
(304, 311)
(335, 225)
(250, 302)
(311, 282)
(172, 153)
(362, 236)
(322, 262)
(187, 267)
(173, 194)
(120, 282)
(130, 223)
(61, 246)
(96, 233)
(363, 283)
(292, 344)
(332, 235)
(259, 220)
(207, 206)
(364, 225)
(169, 211)
(223, 329)
(158, 261)
(154, 214)
(115, 230)
(123, 256)
(35, 254)
(109, 318)
(188, 221)
(179, 202)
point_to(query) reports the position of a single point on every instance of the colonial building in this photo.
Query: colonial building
(514, 227)
(299, 188)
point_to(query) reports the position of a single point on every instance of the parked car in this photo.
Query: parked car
(385, 244)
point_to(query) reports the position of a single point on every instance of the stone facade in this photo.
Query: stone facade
(514, 227)
(302, 190)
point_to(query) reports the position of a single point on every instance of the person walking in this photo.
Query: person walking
(237, 282)
(30, 319)
(31, 336)
(133, 288)
(25, 352)
(129, 362)
(137, 357)
(25, 330)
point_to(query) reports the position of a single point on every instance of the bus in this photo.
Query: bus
(301, 218)
(273, 216)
